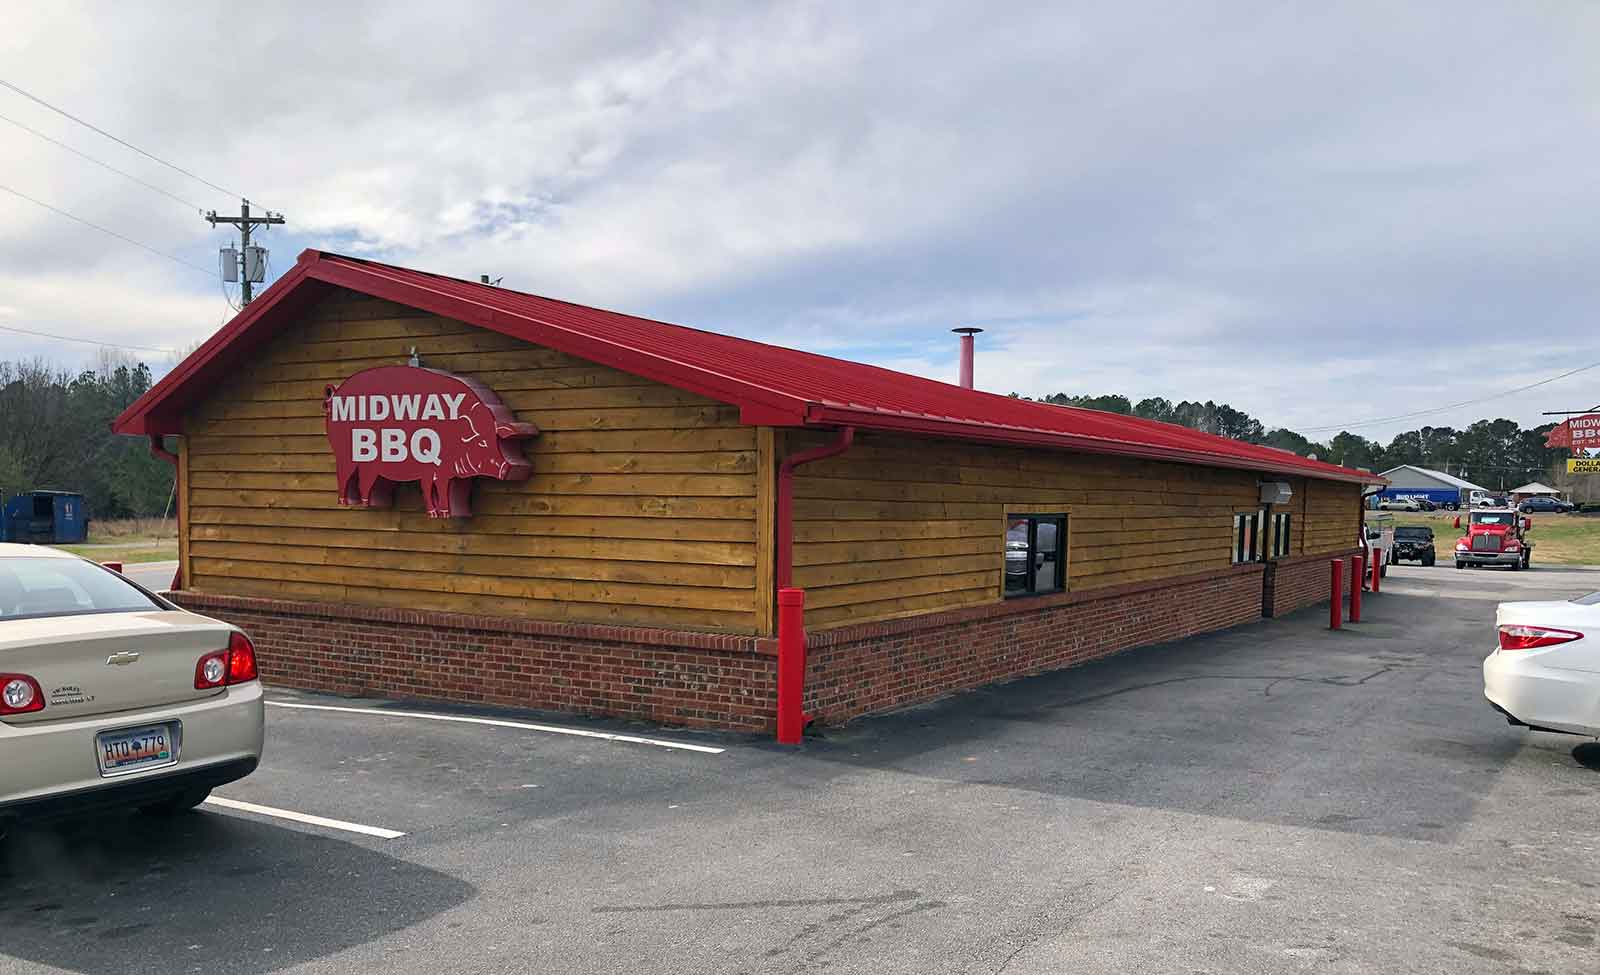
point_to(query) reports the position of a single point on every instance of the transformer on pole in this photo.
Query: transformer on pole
(248, 264)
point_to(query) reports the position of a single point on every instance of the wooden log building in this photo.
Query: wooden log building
(945, 538)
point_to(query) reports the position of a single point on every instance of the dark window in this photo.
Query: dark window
(1280, 534)
(1036, 554)
(1247, 541)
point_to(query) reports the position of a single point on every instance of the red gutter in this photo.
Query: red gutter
(159, 448)
(791, 601)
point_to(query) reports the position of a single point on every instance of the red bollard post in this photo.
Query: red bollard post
(1358, 569)
(1377, 568)
(791, 665)
(1336, 605)
(113, 566)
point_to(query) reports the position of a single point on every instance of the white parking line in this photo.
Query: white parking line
(497, 723)
(250, 807)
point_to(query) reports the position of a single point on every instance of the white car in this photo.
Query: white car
(1545, 675)
(1399, 504)
(110, 696)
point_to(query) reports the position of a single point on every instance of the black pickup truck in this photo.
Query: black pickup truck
(1414, 542)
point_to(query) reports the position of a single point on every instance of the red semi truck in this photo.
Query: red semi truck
(1495, 536)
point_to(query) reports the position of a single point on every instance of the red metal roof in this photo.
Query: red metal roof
(770, 384)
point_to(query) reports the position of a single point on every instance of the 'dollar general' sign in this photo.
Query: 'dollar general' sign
(394, 424)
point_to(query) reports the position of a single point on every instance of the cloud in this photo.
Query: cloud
(1316, 214)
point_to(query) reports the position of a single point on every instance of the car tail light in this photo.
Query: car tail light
(1520, 637)
(241, 659)
(220, 668)
(20, 694)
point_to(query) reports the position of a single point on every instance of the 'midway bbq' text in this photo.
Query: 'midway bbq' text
(393, 424)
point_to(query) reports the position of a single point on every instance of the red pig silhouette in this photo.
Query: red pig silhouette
(405, 423)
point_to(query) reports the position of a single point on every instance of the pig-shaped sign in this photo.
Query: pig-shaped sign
(406, 423)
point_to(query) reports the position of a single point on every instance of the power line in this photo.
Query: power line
(70, 338)
(1452, 406)
(102, 165)
(104, 230)
(122, 142)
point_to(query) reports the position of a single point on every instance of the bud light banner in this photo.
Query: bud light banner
(393, 424)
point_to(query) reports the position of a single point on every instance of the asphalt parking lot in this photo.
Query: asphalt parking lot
(1276, 798)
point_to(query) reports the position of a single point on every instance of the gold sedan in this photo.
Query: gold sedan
(111, 696)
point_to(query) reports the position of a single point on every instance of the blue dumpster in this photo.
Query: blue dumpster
(44, 518)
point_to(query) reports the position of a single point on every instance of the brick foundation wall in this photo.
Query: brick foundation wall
(858, 670)
(696, 680)
(1302, 581)
(716, 681)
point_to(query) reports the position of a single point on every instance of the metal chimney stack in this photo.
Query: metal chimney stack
(966, 354)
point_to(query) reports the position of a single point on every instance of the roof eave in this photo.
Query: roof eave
(824, 415)
(154, 413)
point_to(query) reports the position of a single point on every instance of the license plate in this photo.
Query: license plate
(131, 749)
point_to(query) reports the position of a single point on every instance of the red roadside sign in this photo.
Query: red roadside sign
(1583, 435)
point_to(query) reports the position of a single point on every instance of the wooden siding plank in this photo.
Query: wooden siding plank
(615, 397)
(674, 485)
(822, 618)
(557, 610)
(575, 441)
(821, 576)
(643, 418)
(488, 502)
(522, 567)
(402, 543)
(415, 521)
(718, 598)
(264, 386)
(929, 585)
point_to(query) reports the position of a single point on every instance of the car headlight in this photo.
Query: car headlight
(1461, 547)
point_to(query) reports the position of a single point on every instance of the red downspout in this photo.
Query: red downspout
(159, 448)
(791, 619)
(785, 567)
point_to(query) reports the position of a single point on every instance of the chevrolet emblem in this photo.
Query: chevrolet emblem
(122, 658)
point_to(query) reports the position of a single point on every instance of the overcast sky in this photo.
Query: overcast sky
(1318, 213)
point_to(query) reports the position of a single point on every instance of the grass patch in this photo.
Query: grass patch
(1557, 539)
(132, 530)
(129, 540)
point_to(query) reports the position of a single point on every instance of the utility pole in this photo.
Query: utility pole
(250, 260)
